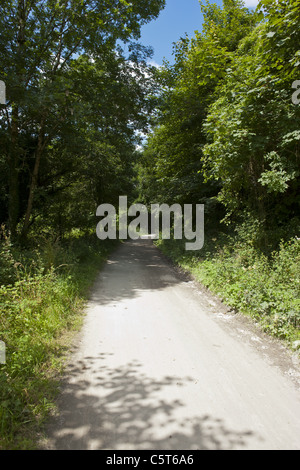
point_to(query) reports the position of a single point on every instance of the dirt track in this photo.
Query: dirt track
(160, 364)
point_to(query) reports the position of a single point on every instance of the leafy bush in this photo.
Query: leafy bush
(8, 273)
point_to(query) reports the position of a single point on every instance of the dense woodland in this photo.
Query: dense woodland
(227, 131)
(74, 106)
(87, 119)
(223, 129)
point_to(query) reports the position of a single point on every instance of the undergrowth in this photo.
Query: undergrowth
(42, 294)
(267, 288)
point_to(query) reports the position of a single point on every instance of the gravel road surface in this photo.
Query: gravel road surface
(162, 364)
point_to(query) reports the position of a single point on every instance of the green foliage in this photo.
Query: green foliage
(276, 178)
(73, 101)
(228, 25)
(8, 265)
(39, 311)
(171, 169)
(227, 131)
(281, 41)
(253, 140)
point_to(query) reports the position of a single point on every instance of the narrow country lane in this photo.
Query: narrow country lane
(160, 365)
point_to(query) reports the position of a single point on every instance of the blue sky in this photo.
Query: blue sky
(178, 17)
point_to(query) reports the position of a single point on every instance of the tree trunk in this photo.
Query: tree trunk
(14, 202)
(34, 181)
(14, 151)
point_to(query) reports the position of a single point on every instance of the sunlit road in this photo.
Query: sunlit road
(160, 365)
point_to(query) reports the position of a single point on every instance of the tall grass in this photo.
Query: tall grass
(42, 295)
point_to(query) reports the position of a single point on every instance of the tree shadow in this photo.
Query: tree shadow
(107, 408)
(134, 267)
(104, 405)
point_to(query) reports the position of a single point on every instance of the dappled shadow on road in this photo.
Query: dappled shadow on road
(102, 407)
(136, 266)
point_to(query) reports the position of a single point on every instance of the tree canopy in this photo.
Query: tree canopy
(228, 131)
(222, 121)
(74, 103)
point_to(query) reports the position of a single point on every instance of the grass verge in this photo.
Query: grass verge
(42, 296)
(267, 288)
